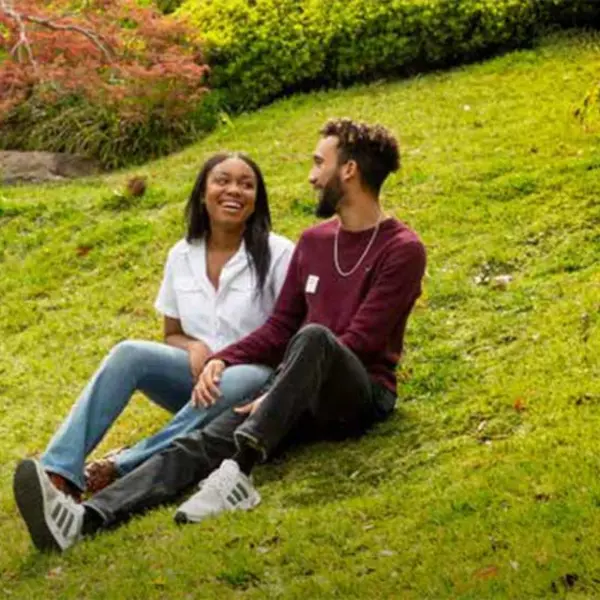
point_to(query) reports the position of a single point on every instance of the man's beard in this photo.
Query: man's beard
(329, 198)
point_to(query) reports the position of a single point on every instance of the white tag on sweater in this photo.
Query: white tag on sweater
(311, 284)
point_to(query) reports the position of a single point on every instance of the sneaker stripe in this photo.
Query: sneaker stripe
(62, 518)
(236, 495)
(56, 511)
(68, 524)
(242, 490)
(27, 486)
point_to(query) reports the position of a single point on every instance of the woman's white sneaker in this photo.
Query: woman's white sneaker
(225, 489)
(54, 519)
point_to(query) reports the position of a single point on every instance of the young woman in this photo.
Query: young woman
(219, 284)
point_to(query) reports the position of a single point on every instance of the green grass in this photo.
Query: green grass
(485, 482)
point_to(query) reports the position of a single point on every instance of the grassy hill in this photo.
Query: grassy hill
(485, 484)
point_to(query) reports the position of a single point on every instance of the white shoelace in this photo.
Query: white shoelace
(220, 480)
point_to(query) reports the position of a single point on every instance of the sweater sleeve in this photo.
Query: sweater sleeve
(395, 289)
(266, 345)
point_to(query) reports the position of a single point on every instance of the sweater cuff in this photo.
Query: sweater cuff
(226, 357)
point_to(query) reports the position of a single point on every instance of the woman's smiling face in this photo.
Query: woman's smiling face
(230, 195)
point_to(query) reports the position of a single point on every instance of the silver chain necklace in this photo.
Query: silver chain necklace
(336, 260)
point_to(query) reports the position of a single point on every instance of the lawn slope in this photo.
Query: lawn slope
(485, 482)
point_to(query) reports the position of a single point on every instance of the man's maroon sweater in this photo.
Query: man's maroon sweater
(367, 310)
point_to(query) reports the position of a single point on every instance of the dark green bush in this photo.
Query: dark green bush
(262, 49)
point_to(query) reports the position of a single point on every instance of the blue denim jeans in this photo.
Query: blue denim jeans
(163, 374)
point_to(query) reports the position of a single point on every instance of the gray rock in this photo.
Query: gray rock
(33, 167)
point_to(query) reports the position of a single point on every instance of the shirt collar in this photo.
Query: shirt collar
(198, 246)
(196, 253)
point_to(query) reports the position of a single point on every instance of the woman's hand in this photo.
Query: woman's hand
(207, 392)
(198, 352)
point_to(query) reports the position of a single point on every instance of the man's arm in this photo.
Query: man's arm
(279, 270)
(266, 345)
(395, 290)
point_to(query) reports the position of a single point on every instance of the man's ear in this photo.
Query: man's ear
(349, 170)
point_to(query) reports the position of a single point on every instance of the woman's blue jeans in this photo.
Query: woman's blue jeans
(163, 374)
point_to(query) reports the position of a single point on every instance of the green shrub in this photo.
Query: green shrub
(258, 49)
(75, 124)
(262, 49)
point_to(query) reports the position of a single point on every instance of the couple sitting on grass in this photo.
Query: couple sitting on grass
(243, 383)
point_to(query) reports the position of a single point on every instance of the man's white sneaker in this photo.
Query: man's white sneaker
(54, 519)
(227, 488)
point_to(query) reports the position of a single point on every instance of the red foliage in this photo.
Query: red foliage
(111, 52)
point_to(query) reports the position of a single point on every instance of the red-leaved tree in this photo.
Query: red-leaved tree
(128, 64)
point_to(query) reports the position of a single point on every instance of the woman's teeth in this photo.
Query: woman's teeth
(230, 205)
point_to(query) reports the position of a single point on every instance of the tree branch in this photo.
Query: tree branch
(90, 35)
(6, 6)
(23, 41)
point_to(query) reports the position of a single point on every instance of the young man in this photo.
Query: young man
(336, 333)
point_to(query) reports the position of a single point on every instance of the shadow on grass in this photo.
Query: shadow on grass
(327, 472)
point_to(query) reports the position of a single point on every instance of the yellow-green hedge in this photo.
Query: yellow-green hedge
(262, 49)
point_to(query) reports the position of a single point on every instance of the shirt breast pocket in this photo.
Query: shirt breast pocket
(245, 305)
(191, 299)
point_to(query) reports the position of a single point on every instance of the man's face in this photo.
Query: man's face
(325, 177)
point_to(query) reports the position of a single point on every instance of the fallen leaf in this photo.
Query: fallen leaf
(136, 186)
(519, 405)
(387, 553)
(54, 573)
(83, 250)
(487, 572)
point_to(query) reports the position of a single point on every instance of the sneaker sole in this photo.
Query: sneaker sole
(30, 501)
(183, 518)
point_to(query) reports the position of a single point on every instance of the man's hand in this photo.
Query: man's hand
(198, 352)
(207, 392)
(250, 408)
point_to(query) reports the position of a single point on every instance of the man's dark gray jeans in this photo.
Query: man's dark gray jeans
(322, 391)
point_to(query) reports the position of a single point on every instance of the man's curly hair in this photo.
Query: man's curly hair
(373, 147)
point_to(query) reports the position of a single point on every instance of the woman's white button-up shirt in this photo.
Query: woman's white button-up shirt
(220, 317)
